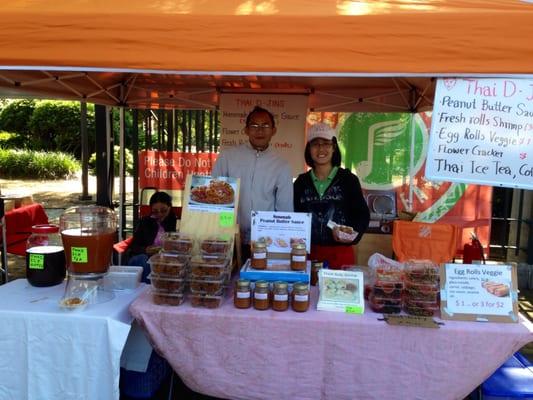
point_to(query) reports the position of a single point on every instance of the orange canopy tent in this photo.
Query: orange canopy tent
(348, 55)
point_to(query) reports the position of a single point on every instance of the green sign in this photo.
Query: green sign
(353, 310)
(36, 261)
(79, 254)
(227, 219)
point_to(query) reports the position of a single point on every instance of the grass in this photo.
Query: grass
(29, 164)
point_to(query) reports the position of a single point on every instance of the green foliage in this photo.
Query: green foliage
(12, 141)
(46, 125)
(128, 162)
(16, 164)
(55, 125)
(15, 116)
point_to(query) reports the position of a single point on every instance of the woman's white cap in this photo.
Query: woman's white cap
(320, 130)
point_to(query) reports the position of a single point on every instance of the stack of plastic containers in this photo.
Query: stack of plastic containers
(210, 271)
(421, 292)
(386, 292)
(170, 269)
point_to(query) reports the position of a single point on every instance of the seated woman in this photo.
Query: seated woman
(147, 236)
(329, 192)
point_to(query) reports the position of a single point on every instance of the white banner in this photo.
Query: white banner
(482, 132)
(289, 112)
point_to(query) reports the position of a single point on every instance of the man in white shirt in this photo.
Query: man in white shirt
(266, 178)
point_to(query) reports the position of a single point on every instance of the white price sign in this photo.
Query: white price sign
(479, 292)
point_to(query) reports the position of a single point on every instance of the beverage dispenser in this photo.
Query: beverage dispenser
(88, 234)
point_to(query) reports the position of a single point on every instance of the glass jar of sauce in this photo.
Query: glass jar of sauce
(261, 295)
(300, 297)
(258, 259)
(242, 296)
(298, 257)
(315, 267)
(280, 298)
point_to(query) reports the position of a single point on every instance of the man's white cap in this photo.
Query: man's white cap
(320, 130)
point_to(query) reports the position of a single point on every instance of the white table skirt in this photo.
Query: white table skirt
(50, 353)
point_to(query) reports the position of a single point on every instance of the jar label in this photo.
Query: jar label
(298, 258)
(243, 295)
(260, 256)
(281, 297)
(261, 296)
(79, 255)
(36, 261)
(301, 297)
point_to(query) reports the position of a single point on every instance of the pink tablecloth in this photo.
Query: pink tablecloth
(249, 354)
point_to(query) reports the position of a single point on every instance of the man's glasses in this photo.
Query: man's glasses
(257, 127)
(317, 145)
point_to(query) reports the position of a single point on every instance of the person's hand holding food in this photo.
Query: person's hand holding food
(343, 234)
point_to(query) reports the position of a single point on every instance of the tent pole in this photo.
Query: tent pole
(122, 174)
(84, 152)
(411, 160)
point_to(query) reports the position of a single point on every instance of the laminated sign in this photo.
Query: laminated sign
(482, 132)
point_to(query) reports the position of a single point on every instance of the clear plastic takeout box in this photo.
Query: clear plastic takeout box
(420, 307)
(210, 268)
(385, 305)
(216, 245)
(206, 300)
(208, 286)
(123, 277)
(166, 263)
(422, 271)
(167, 283)
(177, 242)
(162, 297)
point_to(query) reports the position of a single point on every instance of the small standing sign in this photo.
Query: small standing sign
(476, 292)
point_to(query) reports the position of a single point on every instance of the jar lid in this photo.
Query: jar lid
(317, 264)
(45, 228)
(261, 284)
(281, 285)
(300, 287)
(259, 245)
(298, 246)
(243, 283)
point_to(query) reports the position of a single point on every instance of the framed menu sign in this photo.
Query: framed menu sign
(481, 132)
(478, 292)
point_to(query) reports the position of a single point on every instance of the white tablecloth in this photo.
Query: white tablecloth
(49, 353)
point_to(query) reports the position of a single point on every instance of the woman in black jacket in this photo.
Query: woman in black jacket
(147, 236)
(330, 193)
